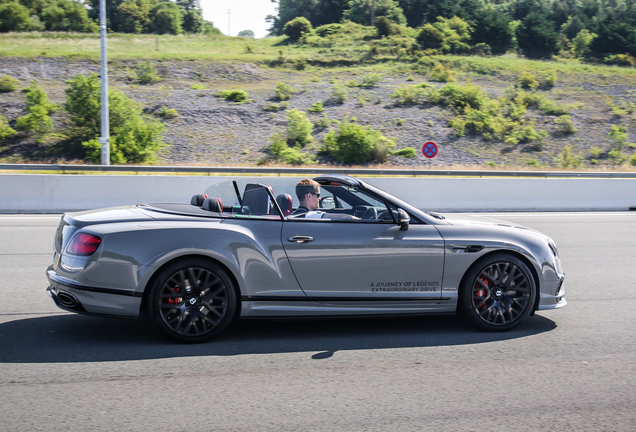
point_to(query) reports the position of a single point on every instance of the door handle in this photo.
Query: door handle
(300, 239)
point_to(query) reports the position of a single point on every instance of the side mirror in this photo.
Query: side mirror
(403, 220)
(327, 202)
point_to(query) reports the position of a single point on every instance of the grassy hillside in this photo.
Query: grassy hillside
(408, 97)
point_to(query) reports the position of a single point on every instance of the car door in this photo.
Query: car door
(364, 260)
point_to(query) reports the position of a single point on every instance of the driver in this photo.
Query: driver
(308, 193)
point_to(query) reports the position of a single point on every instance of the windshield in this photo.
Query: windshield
(268, 198)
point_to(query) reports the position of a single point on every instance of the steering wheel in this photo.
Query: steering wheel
(365, 212)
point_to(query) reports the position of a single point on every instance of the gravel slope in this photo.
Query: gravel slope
(213, 132)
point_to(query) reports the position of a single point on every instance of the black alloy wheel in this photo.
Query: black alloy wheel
(193, 301)
(498, 293)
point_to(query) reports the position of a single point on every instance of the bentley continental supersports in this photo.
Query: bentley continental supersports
(239, 250)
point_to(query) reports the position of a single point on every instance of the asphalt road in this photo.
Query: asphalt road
(569, 369)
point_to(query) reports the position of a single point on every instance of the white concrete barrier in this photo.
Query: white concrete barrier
(44, 193)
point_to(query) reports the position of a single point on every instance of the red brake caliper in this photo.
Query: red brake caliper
(175, 299)
(480, 293)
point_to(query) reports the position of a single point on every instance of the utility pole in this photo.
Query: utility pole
(104, 139)
(373, 13)
(228, 22)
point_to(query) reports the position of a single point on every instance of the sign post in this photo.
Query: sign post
(430, 150)
(104, 139)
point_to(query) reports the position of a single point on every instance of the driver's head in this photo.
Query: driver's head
(308, 193)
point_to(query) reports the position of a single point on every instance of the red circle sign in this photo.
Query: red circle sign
(430, 149)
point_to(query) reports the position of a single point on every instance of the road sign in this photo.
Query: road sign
(430, 149)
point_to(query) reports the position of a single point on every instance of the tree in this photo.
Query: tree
(385, 27)
(192, 15)
(67, 15)
(135, 136)
(360, 11)
(134, 16)
(318, 12)
(492, 27)
(449, 34)
(39, 107)
(246, 33)
(295, 28)
(430, 37)
(537, 37)
(166, 18)
(615, 37)
(14, 17)
(581, 43)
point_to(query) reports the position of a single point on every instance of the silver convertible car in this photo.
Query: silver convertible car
(239, 250)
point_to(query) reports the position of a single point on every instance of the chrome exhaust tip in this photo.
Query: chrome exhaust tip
(66, 299)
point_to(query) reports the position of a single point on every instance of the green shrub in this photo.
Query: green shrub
(596, 152)
(136, 141)
(147, 73)
(370, 80)
(35, 96)
(8, 84)
(317, 107)
(524, 133)
(442, 73)
(399, 122)
(407, 95)
(550, 78)
(568, 158)
(353, 143)
(291, 155)
(620, 60)
(299, 127)
(134, 136)
(619, 136)
(566, 125)
(459, 97)
(324, 122)
(339, 94)
(274, 107)
(284, 91)
(167, 113)
(528, 80)
(6, 131)
(617, 156)
(385, 27)
(297, 27)
(38, 106)
(198, 86)
(233, 95)
(632, 160)
(408, 152)
(552, 108)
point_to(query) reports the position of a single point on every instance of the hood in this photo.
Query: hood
(490, 222)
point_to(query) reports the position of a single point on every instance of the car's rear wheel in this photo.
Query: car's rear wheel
(192, 301)
(498, 293)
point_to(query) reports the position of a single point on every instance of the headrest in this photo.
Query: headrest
(197, 200)
(213, 205)
(285, 202)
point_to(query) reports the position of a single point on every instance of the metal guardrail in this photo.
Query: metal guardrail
(285, 171)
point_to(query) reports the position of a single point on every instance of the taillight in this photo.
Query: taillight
(84, 244)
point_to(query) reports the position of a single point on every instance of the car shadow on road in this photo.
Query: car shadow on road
(73, 338)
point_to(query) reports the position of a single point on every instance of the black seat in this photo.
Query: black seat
(213, 205)
(197, 200)
(256, 199)
(285, 202)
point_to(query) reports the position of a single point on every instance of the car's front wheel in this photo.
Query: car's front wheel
(497, 293)
(192, 301)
